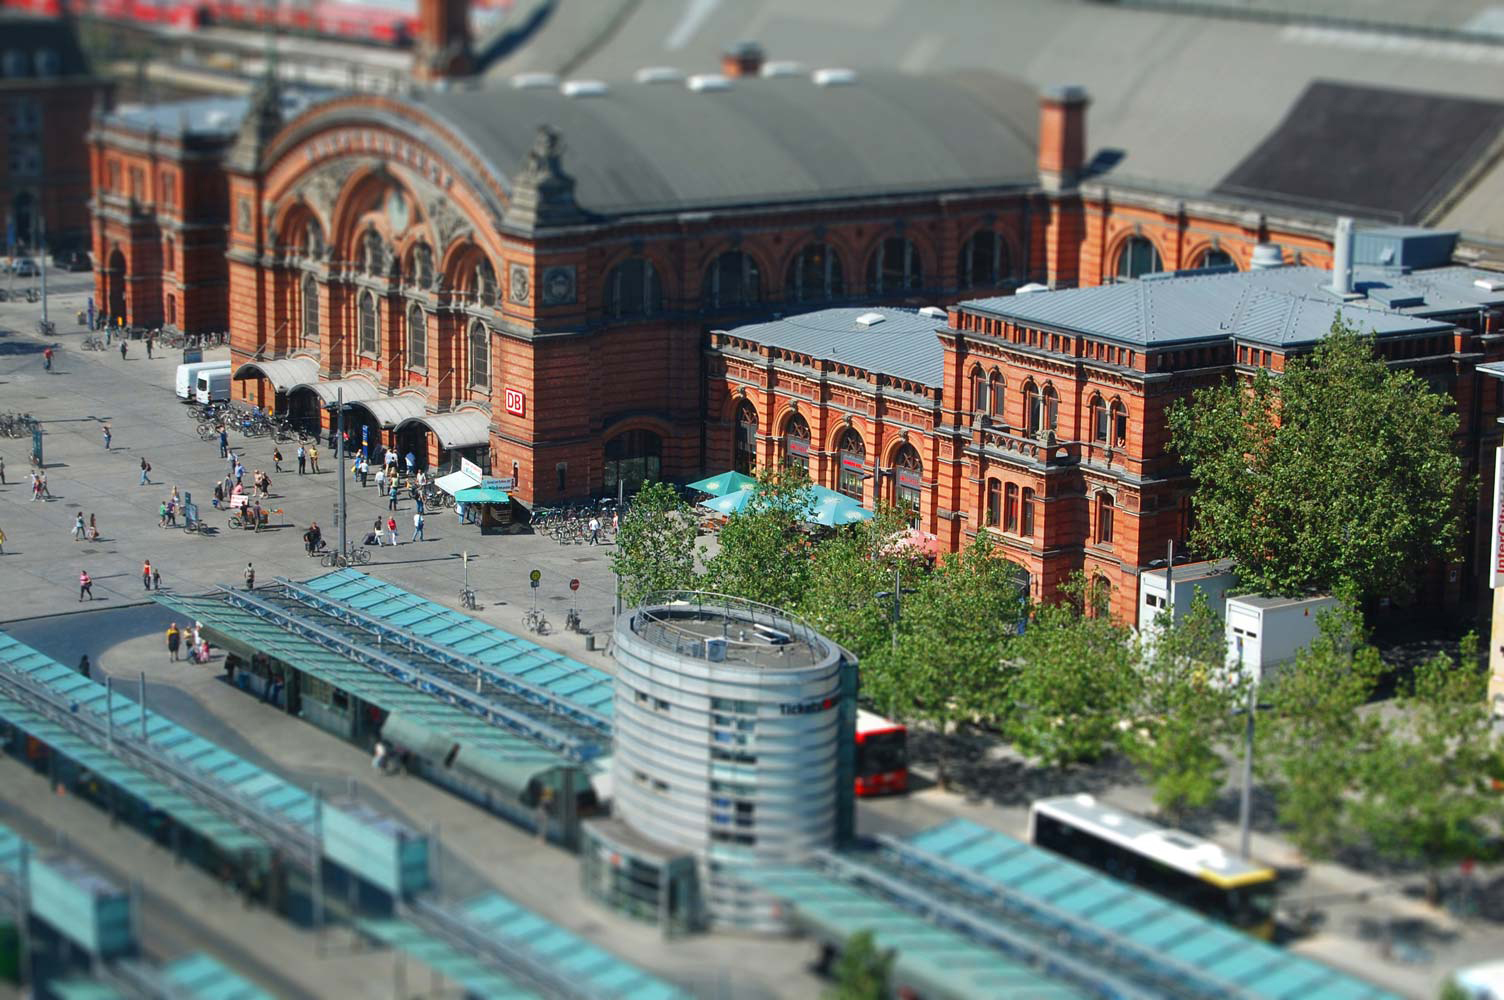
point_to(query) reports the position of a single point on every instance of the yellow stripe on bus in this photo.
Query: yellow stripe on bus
(1240, 880)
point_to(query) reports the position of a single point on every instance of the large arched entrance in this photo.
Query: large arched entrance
(632, 458)
(744, 454)
(23, 217)
(115, 284)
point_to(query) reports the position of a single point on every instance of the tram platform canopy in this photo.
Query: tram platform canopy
(282, 373)
(460, 429)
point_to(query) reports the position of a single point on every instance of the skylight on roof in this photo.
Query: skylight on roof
(658, 74)
(584, 88)
(535, 81)
(702, 82)
(870, 319)
(833, 77)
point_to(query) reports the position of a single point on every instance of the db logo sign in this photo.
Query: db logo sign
(516, 402)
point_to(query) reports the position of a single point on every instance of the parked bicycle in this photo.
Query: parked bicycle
(467, 600)
(93, 342)
(16, 425)
(356, 556)
(534, 621)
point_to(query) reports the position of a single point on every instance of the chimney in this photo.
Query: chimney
(443, 49)
(1342, 257)
(1062, 137)
(742, 59)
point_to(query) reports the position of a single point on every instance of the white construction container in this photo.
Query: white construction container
(1265, 632)
(1213, 578)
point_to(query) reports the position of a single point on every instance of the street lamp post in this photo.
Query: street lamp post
(344, 546)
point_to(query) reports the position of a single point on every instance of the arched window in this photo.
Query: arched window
(851, 452)
(1105, 507)
(368, 323)
(984, 261)
(169, 254)
(372, 253)
(420, 266)
(1119, 418)
(979, 390)
(417, 338)
(908, 482)
(172, 309)
(1098, 420)
(483, 284)
(633, 290)
(1217, 258)
(313, 239)
(1026, 514)
(796, 442)
(1099, 597)
(994, 502)
(894, 267)
(632, 458)
(1010, 508)
(310, 310)
(997, 390)
(480, 355)
(732, 281)
(745, 459)
(1051, 408)
(1138, 257)
(1033, 408)
(815, 275)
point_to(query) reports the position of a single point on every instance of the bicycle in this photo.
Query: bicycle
(467, 600)
(46, 327)
(534, 621)
(93, 342)
(356, 556)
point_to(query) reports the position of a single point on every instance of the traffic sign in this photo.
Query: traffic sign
(535, 575)
(574, 585)
(533, 583)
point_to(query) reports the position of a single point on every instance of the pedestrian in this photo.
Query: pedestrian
(418, 502)
(224, 442)
(47, 359)
(412, 463)
(145, 471)
(230, 462)
(42, 485)
(418, 526)
(378, 757)
(122, 347)
(156, 578)
(106, 437)
(376, 530)
(83, 665)
(36, 485)
(219, 494)
(302, 460)
(78, 528)
(391, 503)
(365, 469)
(174, 640)
(381, 481)
(146, 575)
(239, 471)
(2, 543)
(85, 585)
(250, 577)
(333, 438)
(318, 538)
(172, 512)
(2, 472)
(148, 347)
(313, 458)
(391, 530)
(595, 530)
(162, 514)
(93, 529)
(277, 459)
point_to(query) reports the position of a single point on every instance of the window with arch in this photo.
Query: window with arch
(997, 391)
(979, 390)
(851, 453)
(169, 254)
(368, 323)
(372, 253)
(172, 309)
(1105, 506)
(1099, 596)
(1119, 421)
(796, 443)
(417, 338)
(745, 458)
(483, 284)
(480, 355)
(1217, 258)
(1010, 507)
(1051, 413)
(908, 482)
(815, 275)
(1138, 257)
(1033, 407)
(894, 267)
(984, 260)
(313, 239)
(994, 503)
(1026, 514)
(310, 309)
(420, 266)
(1098, 419)
(732, 281)
(633, 290)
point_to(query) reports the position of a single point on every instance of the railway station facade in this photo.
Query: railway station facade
(561, 304)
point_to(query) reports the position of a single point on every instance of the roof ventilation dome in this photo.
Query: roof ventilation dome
(707, 82)
(833, 77)
(782, 67)
(584, 88)
(934, 312)
(658, 74)
(535, 81)
(870, 319)
(1266, 256)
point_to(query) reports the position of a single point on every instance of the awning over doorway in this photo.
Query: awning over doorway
(283, 373)
(456, 481)
(460, 429)
(392, 410)
(356, 389)
(483, 494)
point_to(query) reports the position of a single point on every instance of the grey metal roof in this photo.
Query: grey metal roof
(1283, 307)
(660, 146)
(903, 345)
(203, 116)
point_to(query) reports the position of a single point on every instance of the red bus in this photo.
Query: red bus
(882, 755)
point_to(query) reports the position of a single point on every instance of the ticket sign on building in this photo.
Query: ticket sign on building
(516, 402)
(1496, 564)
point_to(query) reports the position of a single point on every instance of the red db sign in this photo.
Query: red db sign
(516, 402)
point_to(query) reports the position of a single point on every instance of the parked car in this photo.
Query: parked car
(26, 268)
(73, 260)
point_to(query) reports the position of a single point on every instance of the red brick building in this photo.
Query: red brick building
(47, 92)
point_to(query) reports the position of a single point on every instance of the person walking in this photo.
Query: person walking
(376, 530)
(391, 503)
(85, 585)
(162, 514)
(78, 528)
(418, 526)
(42, 485)
(156, 578)
(302, 460)
(36, 485)
(93, 529)
(381, 480)
(2, 542)
(122, 347)
(83, 665)
(365, 470)
(148, 346)
(174, 640)
(313, 458)
(47, 359)
(412, 463)
(106, 437)
(224, 442)
(595, 530)
(146, 575)
(391, 530)
(250, 577)
(277, 459)
(145, 472)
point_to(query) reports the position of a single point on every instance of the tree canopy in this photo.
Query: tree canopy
(655, 545)
(1340, 470)
(764, 549)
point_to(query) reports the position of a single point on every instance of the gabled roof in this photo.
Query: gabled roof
(902, 345)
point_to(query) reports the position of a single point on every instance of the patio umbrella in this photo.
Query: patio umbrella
(731, 503)
(725, 483)
(837, 510)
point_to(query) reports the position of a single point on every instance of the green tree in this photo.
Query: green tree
(655, 546)
(946, 665)
(1069, 683)
(1339, 470)
(1185, 705)
(1426, 796)
(1312, 740)
(848, 571)
(862, 971)
(765, 548)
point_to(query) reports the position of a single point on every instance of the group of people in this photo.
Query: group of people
(193, 638)
(85, 532)
(308, 457)
(167, 510)
(39, 489)
(385, 533)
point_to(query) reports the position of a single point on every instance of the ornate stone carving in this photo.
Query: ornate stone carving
(518, 289)
(558, 286)
(321, 188)
(542, 193)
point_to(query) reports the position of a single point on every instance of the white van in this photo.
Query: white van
(213, 387)
(188, 375)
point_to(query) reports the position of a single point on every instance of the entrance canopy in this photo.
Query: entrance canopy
(356, 389)
(283, 373)
(461, 429)
(456, 482)
(482, 494)
(391, 411)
